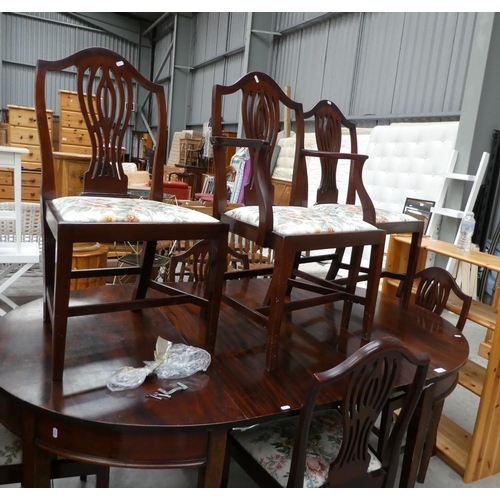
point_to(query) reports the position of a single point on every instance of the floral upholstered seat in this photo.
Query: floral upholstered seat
(289, 221)
(102, 209)
(10, 448)
(271, 446)
(356, 212)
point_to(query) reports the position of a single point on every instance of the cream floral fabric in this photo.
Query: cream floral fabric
(106, 209)
(290, 221)
(356, 211)
(10, 448)
(271, 445)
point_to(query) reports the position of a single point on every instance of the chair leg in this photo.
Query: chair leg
(295, 267)
(283, 266)
(372, 285)
(60, 305)
(354, 266)
(49, 259)
(430, 441)
(335, 265)
(225, 470)
(442, 390)
(102, 477)
(415, 438)
(416, 240)
(214, 286)
(147, 260)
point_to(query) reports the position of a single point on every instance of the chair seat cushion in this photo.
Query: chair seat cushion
(356, 211)
(271, 445)
(295, 221)
(106, 209)
(10, 448)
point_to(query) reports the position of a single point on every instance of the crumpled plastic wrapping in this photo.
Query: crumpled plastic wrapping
(183, 361)
(171, 361)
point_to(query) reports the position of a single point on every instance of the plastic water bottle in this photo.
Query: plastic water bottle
(465, 232)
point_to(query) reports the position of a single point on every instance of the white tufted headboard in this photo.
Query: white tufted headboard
(408, 161)
(405, 160)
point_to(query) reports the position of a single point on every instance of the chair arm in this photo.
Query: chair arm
(356, 185)
(259, 191)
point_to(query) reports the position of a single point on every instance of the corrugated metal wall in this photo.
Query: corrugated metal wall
(46, 35)
(162, 64)
(380, 64)
(287, 20)
(376, 67)
(218, 36)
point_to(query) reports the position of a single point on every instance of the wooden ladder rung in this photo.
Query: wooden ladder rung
(453, 444)
(484, 349)
(471, 377)
(479, 313)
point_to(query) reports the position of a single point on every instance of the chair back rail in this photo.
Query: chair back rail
(328, 124)
(106, 94)
(433, 291)
(369, 375)
(261, 103)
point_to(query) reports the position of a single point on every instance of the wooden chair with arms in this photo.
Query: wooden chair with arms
(329, 121)
(331, 447)
(106, 85)
(433, 291)
(288, 230)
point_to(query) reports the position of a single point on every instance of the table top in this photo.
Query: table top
(236, 388)
(6, 150)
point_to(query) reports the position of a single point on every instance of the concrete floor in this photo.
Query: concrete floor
(461, 406)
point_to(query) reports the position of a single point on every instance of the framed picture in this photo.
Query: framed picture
(420, 209)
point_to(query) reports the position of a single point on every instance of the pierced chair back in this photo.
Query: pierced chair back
(332, 447)
(329, 120)
(433, 291)
(105, 85)
(262, 100)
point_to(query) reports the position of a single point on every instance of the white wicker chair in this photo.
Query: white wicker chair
(13, 264)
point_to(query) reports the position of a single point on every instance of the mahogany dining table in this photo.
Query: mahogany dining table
(80, 418)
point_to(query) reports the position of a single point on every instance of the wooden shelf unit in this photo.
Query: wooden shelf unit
(475, 455)
(23, 133)
(73, 133)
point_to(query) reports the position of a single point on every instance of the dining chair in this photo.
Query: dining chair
(332, 447)
(287, 230)
(11, 458)
(435, 285)
(329, 121)
(107, 86)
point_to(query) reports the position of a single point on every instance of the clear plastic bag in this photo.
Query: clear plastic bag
(128, 377)
(170, 361)
(183, 361)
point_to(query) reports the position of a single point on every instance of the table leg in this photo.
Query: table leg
(211, 475)
(415, 438)
(36, 462)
